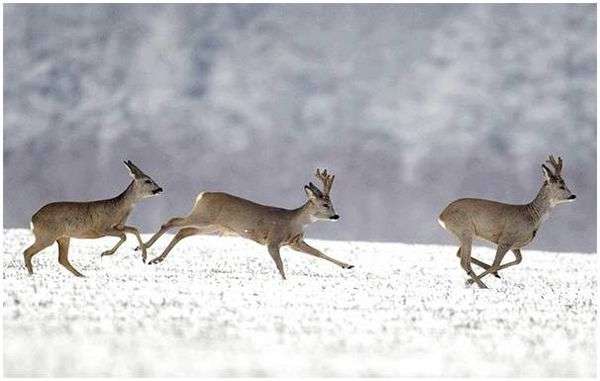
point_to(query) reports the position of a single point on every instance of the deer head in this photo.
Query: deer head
(143, 185)
(554, 185)
(319, 202)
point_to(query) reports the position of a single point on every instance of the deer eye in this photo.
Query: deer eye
(148, 181)
(562, 187)
(325, 205)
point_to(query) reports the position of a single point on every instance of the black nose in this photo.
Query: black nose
(159, 190)
(334, 217)
(572, 197)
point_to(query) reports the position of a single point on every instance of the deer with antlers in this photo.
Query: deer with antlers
(510, 227)
(266, 225)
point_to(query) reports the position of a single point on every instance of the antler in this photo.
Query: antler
(556, 164)
(326, 179)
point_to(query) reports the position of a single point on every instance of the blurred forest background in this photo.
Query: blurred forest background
(411, 106)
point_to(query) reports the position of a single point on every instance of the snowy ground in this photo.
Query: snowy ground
(216, 306)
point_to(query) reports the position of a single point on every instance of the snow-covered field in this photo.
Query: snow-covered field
(216, 306)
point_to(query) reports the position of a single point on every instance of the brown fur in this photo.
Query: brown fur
(60, 221)
(509, 226)
(266, 225)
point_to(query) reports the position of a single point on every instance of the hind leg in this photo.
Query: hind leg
(501, 252)
(173, 222)
(479, 263)
(465, 260)
(181, 234)
(63, 255)
(39, 245)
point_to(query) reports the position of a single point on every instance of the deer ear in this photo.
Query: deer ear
(548, 175)
(309, 193)
(130, 168)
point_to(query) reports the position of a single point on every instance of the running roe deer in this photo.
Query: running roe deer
(266, 225)
(509, 226)
(59, 221)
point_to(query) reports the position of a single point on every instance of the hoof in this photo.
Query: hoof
(497, 276)
(349, 267)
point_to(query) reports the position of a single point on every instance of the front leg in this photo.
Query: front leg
(303, 247)
(114, 233)
(274, 251)
(134, 231)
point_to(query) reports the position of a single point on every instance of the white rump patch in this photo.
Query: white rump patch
(199, 197)
(442, 223)
(31, 225)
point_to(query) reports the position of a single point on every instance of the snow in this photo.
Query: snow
(217, 307)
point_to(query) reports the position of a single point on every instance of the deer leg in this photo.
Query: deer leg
(122, 237)
(173, 222)
(181, 234)
(274, 251)
(465, 260)
(36, 247)
(500, 253)
(136, 233)
(63, 255)
(518, 258)
(479, 263)
(303, 247)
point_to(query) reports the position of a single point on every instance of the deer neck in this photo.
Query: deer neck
(540, 207)
(127, 198)
(302, 215)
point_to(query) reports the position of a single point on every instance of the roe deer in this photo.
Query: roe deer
(59, 221)
(509, 226)
(266, 225)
